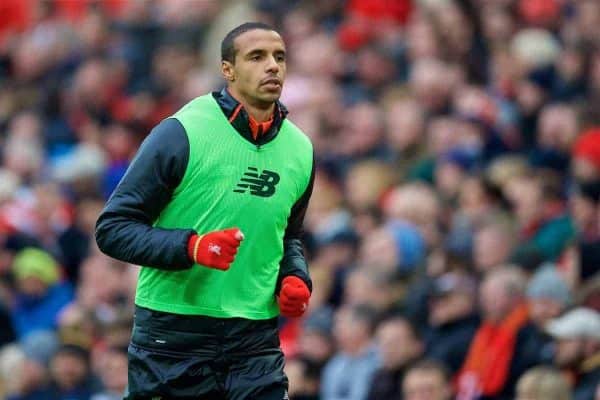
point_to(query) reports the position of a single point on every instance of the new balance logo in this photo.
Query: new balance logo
(262, 184)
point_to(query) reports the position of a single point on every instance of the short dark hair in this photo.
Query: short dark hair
(402, 319)
(430, 365)
(366, 314)
(227, 47)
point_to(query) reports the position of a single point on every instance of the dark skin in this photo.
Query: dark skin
(256, 76)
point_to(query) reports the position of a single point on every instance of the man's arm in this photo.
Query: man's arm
(293, 261)
(124, 229)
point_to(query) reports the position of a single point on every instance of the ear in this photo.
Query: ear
(227, 71)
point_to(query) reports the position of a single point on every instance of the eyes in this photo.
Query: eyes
(259, 57)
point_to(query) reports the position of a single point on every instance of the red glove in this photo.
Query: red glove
(293, 297)
(215, 249)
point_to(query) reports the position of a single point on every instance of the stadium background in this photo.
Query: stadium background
(457, 141)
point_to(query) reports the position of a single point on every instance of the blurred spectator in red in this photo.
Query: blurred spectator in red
(369, 20)
(492, 367)
(586, 155)
(543, 13)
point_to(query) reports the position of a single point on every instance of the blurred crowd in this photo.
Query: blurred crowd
(453, 234)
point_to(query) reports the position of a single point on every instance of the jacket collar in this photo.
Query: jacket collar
(240, 119)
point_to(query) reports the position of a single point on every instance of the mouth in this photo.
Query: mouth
(271, 82)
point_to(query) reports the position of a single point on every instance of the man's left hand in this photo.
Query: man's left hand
(293, 297)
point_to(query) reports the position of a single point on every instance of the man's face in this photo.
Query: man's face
(32, 286)
(68, 371)
(425, 385)
(349, 332)
(490, 249)
(397, 344)
(259, 67)
(494, 299)
(542, 310)
(569, 353)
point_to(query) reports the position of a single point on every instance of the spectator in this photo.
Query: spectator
(113, 374)
(399, 345)
(504, 336)
(304, 379)
(544, 228)
(578, 349)
(315, 342)
(24, 374)
(586, 155)
(453, 319)
(543, 383)
(548, 296)
(418, 205)
(426, 380)
(366, 183)
(373, 288)
(557, 130)
(71, 374)
(398, 247)
(584, 202)
(41, 294)
(405, 123)
(492, 245)
(348, 375)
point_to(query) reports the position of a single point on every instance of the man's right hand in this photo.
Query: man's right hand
(215, 249)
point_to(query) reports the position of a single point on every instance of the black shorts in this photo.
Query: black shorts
(202, 358)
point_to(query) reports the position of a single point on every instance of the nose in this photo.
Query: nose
(272, 65)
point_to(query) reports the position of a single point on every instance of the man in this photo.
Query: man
(492, 245)
(578, 349)
(505, 344)
(226, 166)
(400, 346)
(543, 383)
(41, 295)
(427, 380)
(349, 373)
(452, 319)
(548, 296)
(72, 378)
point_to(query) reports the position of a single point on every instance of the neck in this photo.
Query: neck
(260, 111)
